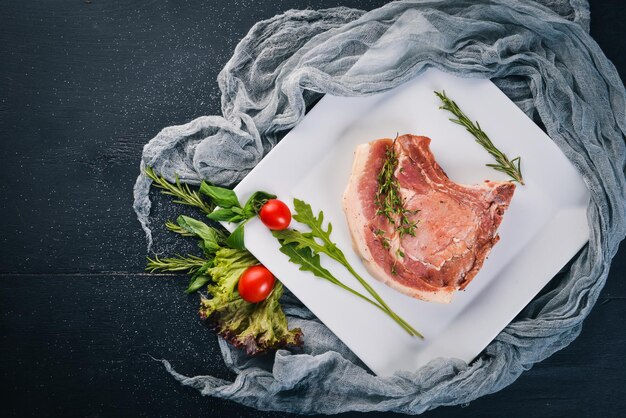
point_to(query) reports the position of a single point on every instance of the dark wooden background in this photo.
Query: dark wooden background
(83, 86)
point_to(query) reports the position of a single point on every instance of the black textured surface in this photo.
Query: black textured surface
(83, 85)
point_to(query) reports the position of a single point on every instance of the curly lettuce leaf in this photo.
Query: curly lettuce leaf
(228, 265)
(255, 327)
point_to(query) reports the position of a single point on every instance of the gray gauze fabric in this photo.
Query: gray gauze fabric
(546, 62)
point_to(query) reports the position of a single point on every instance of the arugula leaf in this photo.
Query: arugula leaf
(305, 250)
(304, 214)
(306, 259)
(222, 197)
(310, 261)
(300, 239)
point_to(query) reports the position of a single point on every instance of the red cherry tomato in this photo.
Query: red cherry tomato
(255, 284)
(275, 215)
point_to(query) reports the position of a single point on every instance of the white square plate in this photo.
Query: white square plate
(543, 228)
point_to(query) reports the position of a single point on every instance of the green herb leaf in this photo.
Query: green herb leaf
(177, 264)
(208, 235)
(388, 199)
(304, 249)
(310, 261)
(200, 278)
(255, 201)
(306, 259)
(178, 229)
(235, 240)
(183, 194)
(239, 214)
(197, 283)
(299, 239)
(304, 214)
(504, 165)
(225, 215)
(222, 197)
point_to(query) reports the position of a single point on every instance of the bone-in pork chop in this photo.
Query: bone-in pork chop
(455, 225)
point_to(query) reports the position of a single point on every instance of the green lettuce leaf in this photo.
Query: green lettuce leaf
(255, 327)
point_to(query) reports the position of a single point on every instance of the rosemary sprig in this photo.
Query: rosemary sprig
(509, 167)
(388, 200)
(180, 191)
(190, 264)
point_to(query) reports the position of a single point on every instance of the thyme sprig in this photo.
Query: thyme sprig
(388, 200)
(503, 164)
(183, 194)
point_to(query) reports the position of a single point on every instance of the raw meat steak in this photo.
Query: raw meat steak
(456, 224)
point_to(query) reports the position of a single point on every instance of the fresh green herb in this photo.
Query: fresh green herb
(503, 164)
(234, 215)
(222, 197)
(388, 199)
(183, 194)
(210, 237)
(197, 282)
(256, 327)
(188, 264)
(231, 211)
(310, 261)
(304, 249)
(200, 278)
(254, 203)
(235, 240)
